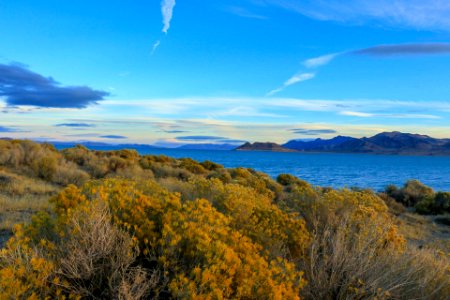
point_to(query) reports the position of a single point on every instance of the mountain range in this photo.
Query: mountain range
(383, 143)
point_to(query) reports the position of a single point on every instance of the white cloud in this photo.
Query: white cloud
(299, 77)
(417, 14)
(356, 114)
(167, 13)
(389, 116)
(155, 46)
(244, 111)
(243, 12)
(321, 60)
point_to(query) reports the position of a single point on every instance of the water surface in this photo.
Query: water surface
(335, 170)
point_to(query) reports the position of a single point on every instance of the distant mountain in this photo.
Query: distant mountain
(263, 147)
(383, 143)
(103, 146)
(318, 144)
(211, 147)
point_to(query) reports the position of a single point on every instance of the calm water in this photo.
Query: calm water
(336, 170)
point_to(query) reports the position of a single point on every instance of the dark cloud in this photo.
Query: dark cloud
(117, 137)
(84, 135)
(312, 131)
(175, 131)
(405, 49)
(200, 138)
(21, 86)
(231, 141)
(75, 125)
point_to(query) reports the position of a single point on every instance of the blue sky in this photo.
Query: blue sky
(223, 71)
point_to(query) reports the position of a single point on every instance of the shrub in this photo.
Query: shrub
(442, 202)
(414, 191)
(211, 166)
(221, 174)
(395, 207)
(287, 179)
(192, 166)
(68, 173)
(182, 249)
(339, 268)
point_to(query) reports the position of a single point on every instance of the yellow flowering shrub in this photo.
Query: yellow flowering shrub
(192, 249)
(218, 262)
(24, 272)
(365, 211)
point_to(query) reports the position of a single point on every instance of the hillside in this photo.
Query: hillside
(263, 147)
(117, 225)
(318, 144)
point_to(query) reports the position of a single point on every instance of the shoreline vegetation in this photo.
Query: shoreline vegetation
(85, 224)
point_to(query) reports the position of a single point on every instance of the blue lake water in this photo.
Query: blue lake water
(335, 170)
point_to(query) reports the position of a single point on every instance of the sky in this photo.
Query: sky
(188, 71)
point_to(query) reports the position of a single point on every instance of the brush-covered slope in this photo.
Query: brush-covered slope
(123, 226)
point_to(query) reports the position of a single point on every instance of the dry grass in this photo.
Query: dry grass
(19, 209)
(20, 198)
(423, 232)
(354, 267)
(97, 259)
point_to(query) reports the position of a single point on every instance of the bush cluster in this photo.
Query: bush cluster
(421, 197)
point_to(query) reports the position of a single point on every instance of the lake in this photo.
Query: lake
(335, 170)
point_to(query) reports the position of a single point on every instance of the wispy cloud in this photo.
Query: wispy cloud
(320, 61)
(244, 12)
(200, 116)
(175, 131)
(209, 139)
(389, 115)
(306, 131)
(75, 125)
(244, 111)
(384, 51)
(167, 7)
(274, 109)
(114, 137)
(199, 137)
(417, 14)
(376, 51)
(356, 114)
(9, 129)
(405, 49)
(155, 46)
(299, 77)
(84, 135)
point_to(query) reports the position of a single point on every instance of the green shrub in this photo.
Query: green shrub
(287, 179)
(211, 166)
(45, 167)
(442, 202)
